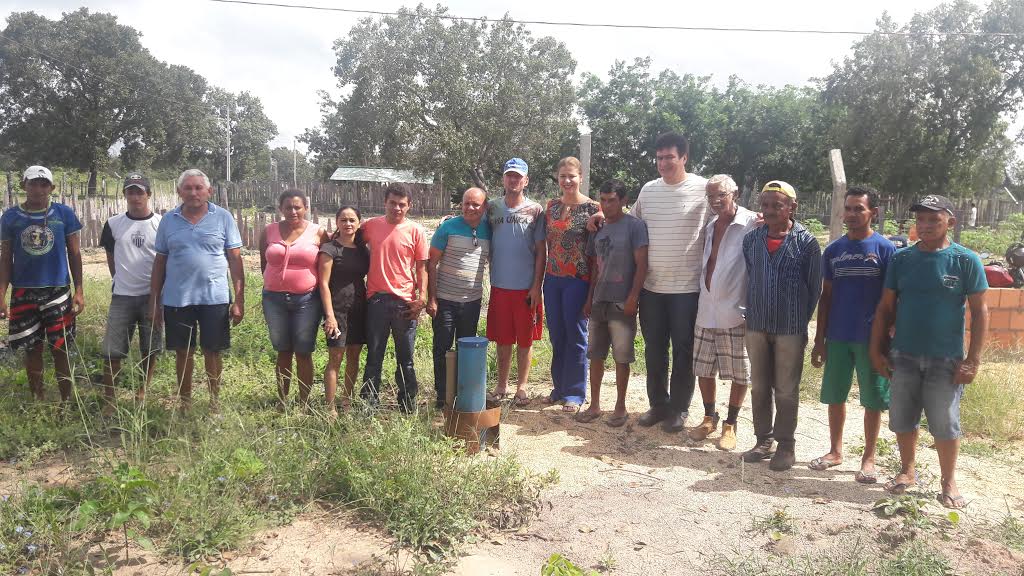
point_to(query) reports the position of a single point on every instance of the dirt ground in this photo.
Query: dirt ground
(642, 501)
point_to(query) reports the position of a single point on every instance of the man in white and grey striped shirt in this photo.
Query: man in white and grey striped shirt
(675, 211)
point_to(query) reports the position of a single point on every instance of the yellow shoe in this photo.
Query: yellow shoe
(707, 426)
(728, 439)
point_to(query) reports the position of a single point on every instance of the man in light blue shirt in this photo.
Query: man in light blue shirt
(197, 243)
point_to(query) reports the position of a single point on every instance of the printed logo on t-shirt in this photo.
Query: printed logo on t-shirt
(138, 239)
(37, 240)
(950, 281)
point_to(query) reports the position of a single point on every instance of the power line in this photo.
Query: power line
(621, 26)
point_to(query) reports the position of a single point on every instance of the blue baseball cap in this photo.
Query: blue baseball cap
(516, 165)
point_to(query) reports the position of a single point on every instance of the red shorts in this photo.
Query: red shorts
(511, 321)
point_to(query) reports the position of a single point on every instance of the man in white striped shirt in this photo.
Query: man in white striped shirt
(675, 211)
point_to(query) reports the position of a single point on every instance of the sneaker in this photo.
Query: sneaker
(728, 439)
(706, 427)
(784, 459)
(762, 451)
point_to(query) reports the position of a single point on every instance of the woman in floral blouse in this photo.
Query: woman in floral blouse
(566, 282)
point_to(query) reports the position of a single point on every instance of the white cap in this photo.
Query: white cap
(36, 172)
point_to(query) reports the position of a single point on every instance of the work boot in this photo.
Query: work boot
(728, 438)
(674, 422)
(784, 459)
(762, 451)
(706, 427)
(651, 417)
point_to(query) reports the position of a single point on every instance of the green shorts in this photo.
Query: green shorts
(842, 359)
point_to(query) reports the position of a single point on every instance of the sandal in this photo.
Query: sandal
(862, 477)
(550, 399)
(820, 463)
(896, 488)
(521, 399)
(570, 407)
(586, 416)
(617, 421)
(953, 502)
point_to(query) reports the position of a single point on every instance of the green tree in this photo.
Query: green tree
(453, 99)
(71, 90)
(283, 161)
(921, 112)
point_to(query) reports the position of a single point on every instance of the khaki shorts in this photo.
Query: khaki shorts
(610, 327)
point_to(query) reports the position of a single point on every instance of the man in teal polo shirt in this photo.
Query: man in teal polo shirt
(196, 244)
(926, 286)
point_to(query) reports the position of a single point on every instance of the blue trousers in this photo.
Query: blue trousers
(453, 320)
(564, 298)
(384, 315)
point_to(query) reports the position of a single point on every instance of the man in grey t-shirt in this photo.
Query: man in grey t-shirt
(619, 250)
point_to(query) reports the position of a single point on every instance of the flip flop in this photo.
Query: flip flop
(495, 397)
(820, 463)
(894, 487)
(586, 416)
(952, 502)
(520, 399)
(863, 477)
(570, 407)
(549, 399)
(617, 421)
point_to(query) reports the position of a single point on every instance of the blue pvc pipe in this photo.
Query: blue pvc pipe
(471, 387)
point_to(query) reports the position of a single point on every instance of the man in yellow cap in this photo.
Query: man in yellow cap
(783, 264)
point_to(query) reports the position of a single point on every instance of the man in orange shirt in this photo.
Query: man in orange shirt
(396, 288)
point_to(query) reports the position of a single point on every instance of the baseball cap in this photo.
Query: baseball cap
(137, 180)
(934, 203)
(780, 187)
(516, 165)
(37, 172)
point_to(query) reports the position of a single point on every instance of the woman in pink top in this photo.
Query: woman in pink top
(291, 304)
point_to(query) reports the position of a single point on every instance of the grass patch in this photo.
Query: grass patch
(984, 409)
(916, 559)
(193, 486)
(776, 524)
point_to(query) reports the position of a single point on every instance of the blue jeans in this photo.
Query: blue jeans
(925, 383)
(293, 320)
(453, 320)
(668, 318)
(564, 298)
(385, 316)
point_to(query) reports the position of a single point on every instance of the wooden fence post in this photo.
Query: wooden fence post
(585, 161)
(835, 224)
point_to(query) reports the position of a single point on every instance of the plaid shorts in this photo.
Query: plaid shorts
(36, 312)
(722, 353)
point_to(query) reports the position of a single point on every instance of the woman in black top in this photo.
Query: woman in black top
(344, 262)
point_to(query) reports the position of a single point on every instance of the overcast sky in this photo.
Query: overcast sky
(284, 56)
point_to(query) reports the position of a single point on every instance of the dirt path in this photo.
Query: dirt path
(647, 502)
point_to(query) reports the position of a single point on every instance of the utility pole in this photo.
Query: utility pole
(227, 151)
(585, 161)
(295, 162)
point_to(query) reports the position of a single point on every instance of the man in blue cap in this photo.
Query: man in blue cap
(515, 314)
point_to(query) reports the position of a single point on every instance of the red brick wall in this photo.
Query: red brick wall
(1006, 318)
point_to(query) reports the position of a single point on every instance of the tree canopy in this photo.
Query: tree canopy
(453, 99)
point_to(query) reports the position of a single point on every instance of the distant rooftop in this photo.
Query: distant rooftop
(365, 174)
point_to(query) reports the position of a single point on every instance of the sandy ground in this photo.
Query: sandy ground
(647, 502)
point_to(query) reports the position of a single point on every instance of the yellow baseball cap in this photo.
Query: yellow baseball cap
(780, 187)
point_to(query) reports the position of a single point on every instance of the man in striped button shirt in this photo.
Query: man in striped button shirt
(783, 264)
(459, 250)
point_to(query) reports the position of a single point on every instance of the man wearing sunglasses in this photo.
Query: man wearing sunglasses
(459, 251)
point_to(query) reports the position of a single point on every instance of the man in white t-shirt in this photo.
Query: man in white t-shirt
(129, 240)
